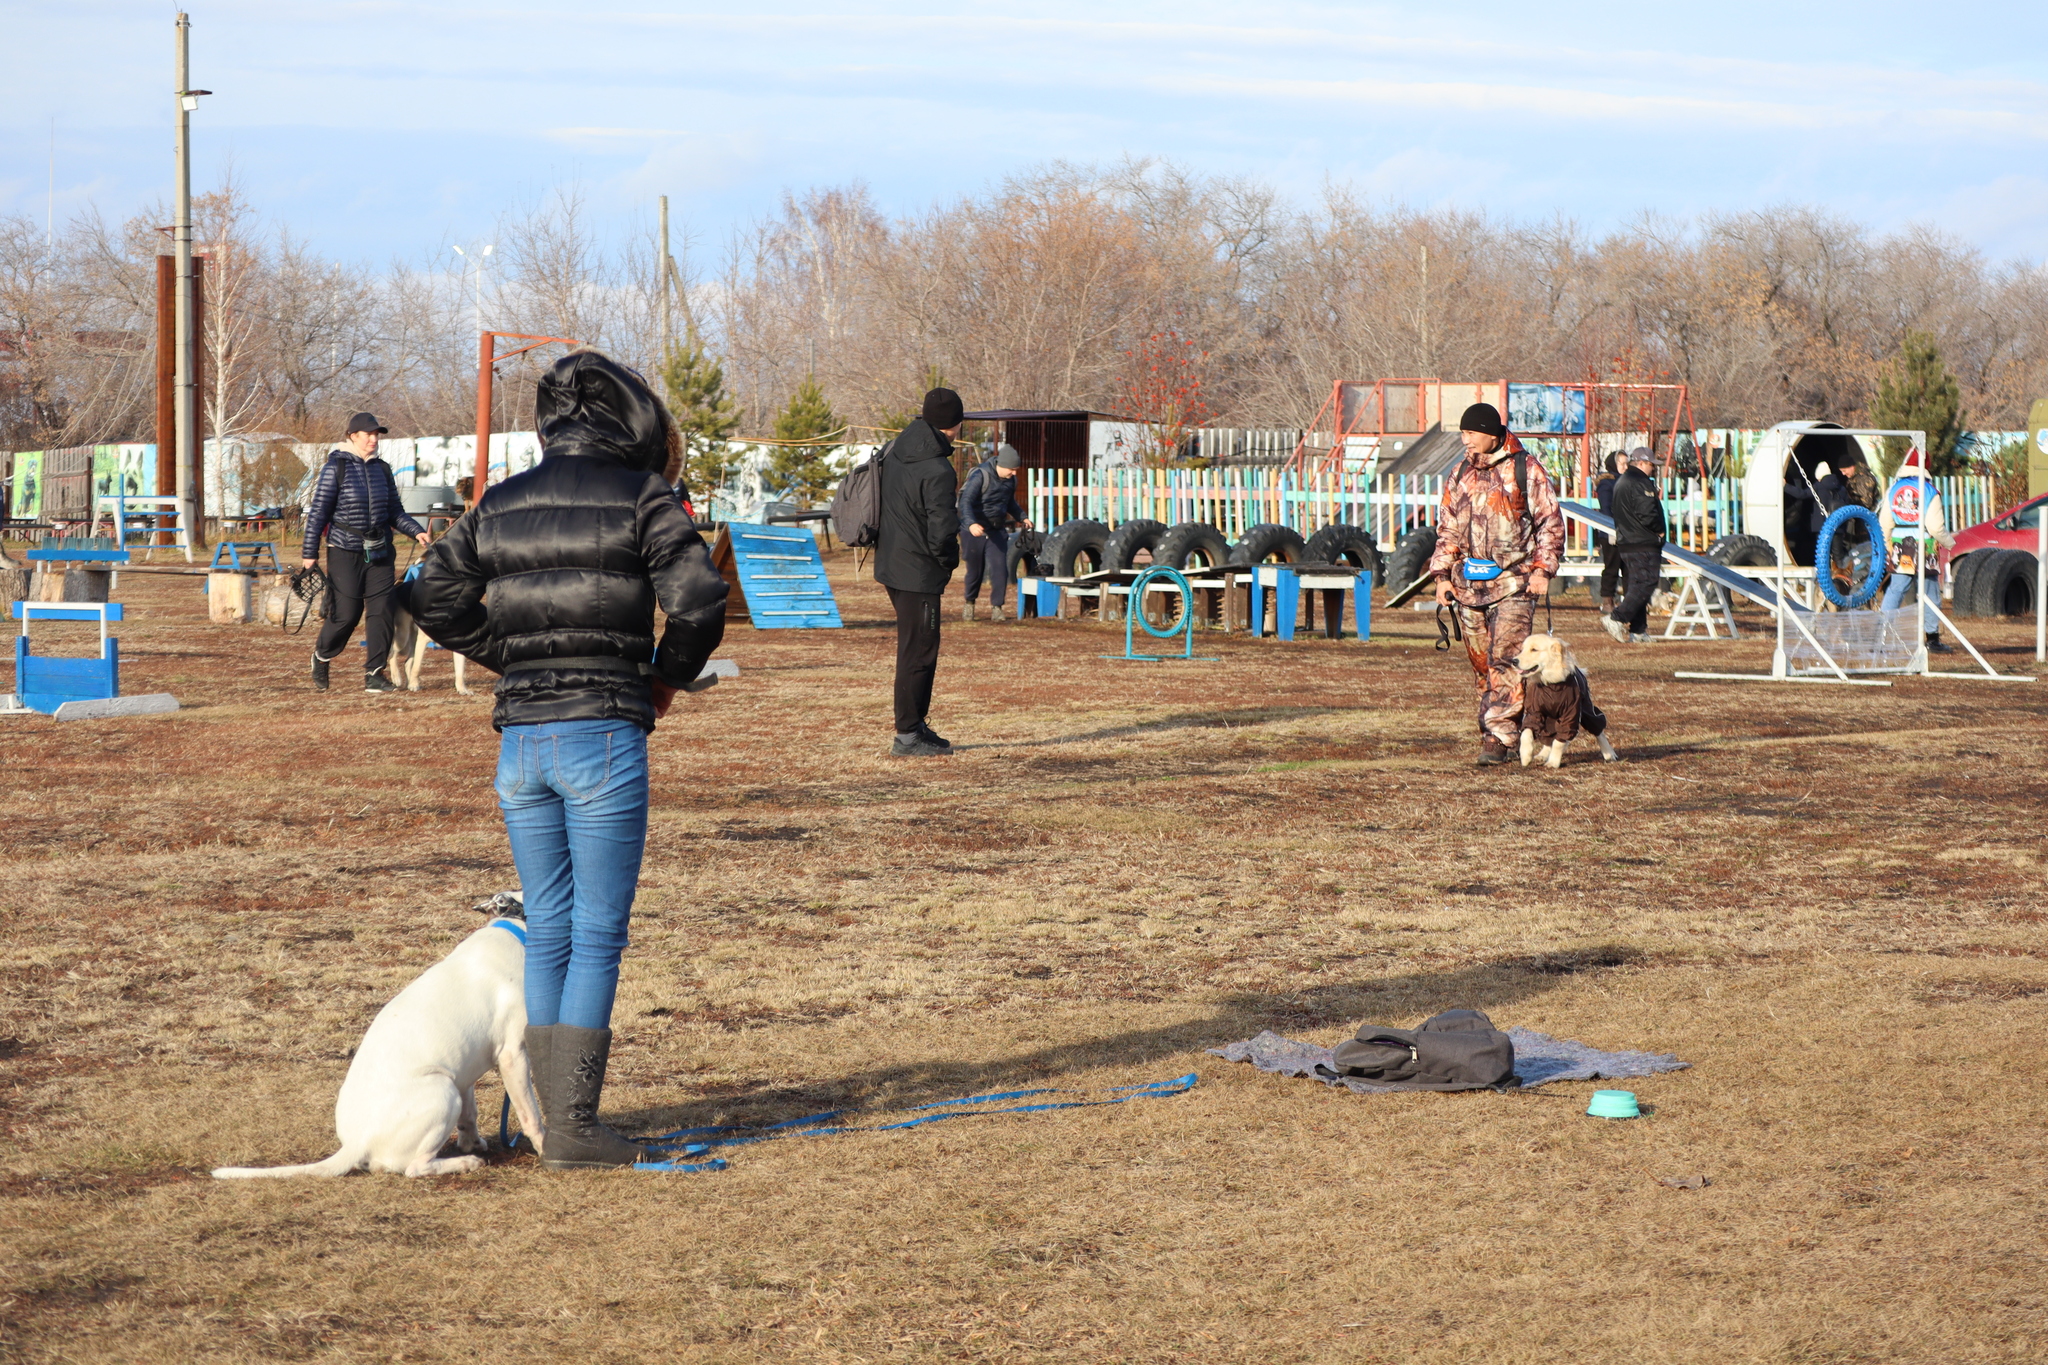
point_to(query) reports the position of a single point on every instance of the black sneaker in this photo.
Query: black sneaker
(916, 746)
(319, 673)
(932, 736)
(377, 682)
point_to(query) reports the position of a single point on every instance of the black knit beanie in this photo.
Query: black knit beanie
(1483, 418)
(943, 409)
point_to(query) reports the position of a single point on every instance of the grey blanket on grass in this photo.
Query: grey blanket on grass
(1539, 1059)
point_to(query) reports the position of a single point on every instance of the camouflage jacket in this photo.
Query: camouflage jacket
(1480, 517)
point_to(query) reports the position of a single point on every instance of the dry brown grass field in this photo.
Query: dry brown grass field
(1828, 900)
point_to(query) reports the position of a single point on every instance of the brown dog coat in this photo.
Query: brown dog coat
(1558, 711)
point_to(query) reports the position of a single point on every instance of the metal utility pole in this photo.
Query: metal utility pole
(184, 387)
(667, 326)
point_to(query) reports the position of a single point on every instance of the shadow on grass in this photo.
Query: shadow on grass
(1146, 1055)
(1240, 718)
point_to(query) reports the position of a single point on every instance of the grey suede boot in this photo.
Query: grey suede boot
(568, 1070)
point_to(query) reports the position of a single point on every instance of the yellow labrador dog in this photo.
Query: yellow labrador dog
(413, 1080)
(1557, 702)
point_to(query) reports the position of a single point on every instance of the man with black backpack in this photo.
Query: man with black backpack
(355, 505)
(1500, 535)
(988, 504)
(917, 547)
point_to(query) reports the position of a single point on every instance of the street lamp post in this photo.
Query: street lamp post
(184, 391)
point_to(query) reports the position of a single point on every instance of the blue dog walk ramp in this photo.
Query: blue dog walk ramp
(781, 577)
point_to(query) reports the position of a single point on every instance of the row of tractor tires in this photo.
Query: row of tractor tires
(1084, 546)
(1995, 583)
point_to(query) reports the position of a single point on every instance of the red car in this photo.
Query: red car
(2018, 529)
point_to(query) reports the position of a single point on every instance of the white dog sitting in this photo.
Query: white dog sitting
(413, 1080)
(1557, 702)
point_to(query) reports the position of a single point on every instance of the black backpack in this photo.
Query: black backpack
(1455, 1050)
(857, 502)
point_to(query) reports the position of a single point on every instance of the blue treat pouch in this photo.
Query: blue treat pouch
(1481, 571)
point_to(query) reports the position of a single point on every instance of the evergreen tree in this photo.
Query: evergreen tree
(1916, 392)
(804, 473)
(704, 411)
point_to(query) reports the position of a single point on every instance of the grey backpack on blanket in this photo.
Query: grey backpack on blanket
(1455, 1050)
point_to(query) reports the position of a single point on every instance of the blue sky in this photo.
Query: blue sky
(379, 129)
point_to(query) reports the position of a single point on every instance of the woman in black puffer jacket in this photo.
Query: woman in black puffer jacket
(575, 554)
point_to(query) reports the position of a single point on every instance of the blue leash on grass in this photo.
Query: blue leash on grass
(820, 1125)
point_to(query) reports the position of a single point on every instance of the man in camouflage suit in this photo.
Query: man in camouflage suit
(1486, 515)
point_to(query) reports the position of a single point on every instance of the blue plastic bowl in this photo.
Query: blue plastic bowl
(1614, 1104)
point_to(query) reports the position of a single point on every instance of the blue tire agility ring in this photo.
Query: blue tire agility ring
(1137, 599)
(1824, 544)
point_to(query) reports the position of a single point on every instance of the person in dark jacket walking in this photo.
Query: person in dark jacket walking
(355, 505)
(1610, 562)
(916, 549)
(1639, 541)
(988, 504)
(575, 554)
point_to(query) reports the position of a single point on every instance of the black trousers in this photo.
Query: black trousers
(1610, 568)
(353, 590)
(987, 555)
(917, 655)
(1640, 567)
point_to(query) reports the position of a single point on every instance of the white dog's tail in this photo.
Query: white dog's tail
(341, 1163)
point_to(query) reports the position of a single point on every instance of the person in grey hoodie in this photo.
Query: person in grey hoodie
(917, 547)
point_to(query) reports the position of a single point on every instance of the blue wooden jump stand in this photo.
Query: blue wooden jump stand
(44, 684)
(1135, 618)
(1287, 582)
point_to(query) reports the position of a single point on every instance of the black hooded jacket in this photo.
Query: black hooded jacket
(1638, 509)
(918, 544)
(574, 554)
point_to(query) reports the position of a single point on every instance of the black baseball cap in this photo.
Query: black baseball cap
(366, 421)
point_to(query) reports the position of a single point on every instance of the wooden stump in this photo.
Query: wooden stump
(228, 597)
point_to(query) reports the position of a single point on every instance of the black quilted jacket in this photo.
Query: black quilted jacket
(917, 546)
(353, 495)
(569, 560)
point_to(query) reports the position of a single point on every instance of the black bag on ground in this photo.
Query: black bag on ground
(857, 503)
(1455, 1050)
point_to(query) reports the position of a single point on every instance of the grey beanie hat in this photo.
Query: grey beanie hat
(1007, 457)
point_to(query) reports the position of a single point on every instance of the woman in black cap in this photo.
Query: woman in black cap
(575, 553)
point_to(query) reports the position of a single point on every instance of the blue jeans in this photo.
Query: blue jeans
(574, 795)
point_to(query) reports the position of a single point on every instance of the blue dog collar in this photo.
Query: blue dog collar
(512, 927)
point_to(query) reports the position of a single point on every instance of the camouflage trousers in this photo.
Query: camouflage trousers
(1493, 642)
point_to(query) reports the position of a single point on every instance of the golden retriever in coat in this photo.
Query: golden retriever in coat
(1557, 703)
